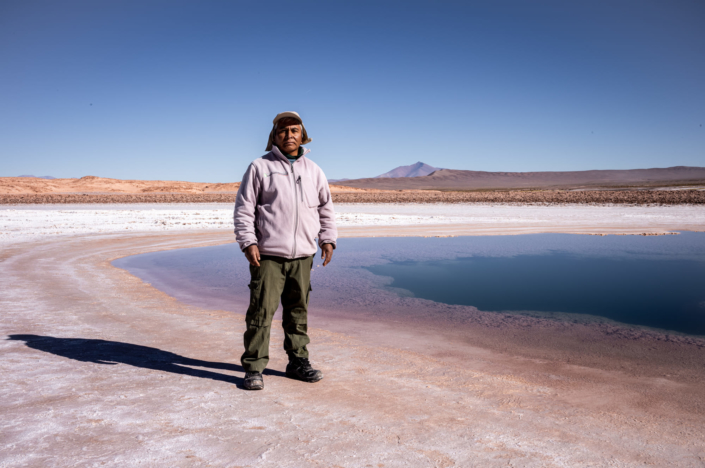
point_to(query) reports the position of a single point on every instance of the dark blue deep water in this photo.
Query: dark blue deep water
(661, 293)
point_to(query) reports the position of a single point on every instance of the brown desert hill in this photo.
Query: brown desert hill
(448, 179)
(100, 185)
(92, 184)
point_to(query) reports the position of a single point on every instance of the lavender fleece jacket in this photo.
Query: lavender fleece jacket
(283, 207)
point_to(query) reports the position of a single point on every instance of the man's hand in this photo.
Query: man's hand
(326, 253)
(252, 254)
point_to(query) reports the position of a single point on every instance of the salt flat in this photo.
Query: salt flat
(101, 369)
(32, 222)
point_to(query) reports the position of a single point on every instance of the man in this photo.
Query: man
(283, 204)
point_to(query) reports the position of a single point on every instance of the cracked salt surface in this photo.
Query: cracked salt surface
(24, 223)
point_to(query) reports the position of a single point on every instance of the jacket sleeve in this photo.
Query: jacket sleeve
(245, 206)
(329, 232)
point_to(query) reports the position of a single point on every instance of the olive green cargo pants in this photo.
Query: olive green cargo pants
(277, 278)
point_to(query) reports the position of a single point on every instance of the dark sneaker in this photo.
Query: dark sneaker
(300, 369)
(253, 381)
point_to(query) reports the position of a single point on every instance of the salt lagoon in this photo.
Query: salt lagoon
(656, 282)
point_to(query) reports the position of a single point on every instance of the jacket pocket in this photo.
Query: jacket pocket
(274, 186)
(263, 222)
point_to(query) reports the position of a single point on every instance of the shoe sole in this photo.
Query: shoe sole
(296, 377)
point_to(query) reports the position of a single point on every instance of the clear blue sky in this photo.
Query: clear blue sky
(186, 90)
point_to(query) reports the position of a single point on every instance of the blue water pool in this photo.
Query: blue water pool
(644, 281)
(662, 292)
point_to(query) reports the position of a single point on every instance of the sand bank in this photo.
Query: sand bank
(23, 223)
(102, 369)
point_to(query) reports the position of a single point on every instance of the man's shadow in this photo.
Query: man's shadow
(114, 352)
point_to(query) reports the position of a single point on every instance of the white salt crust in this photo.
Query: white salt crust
(26, 223)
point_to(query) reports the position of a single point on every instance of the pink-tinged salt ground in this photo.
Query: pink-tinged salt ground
(498, 391)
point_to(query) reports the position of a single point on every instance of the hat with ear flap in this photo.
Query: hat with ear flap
(293, 115)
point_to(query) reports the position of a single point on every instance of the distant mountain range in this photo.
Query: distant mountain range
(415, 170)
(39, 177)
(447, 179)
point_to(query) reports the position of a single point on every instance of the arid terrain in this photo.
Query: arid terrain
(628, 197)
(16, 190)
(100, 185)
(92, 184)
(448, 179)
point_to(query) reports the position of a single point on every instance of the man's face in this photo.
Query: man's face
(288, 136)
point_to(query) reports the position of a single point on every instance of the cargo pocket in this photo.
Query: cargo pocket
(296, 304)
(255, 312)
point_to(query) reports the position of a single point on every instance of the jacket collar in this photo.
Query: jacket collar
(278, 154)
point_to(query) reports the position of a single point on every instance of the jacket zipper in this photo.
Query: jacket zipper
(296, 220)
